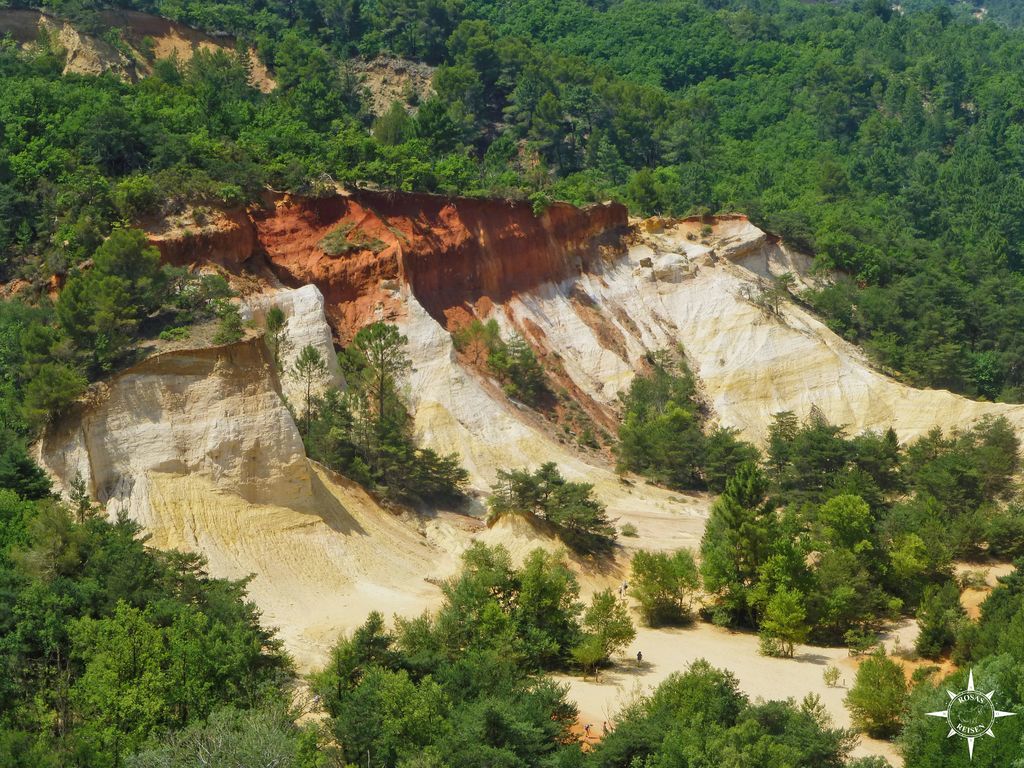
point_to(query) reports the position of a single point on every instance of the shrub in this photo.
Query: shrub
(175, 334)
(229, 330)
(346, 239)
(860, 641)
(629, 530)
(784, 623)
(831, 676)
(589, 653)
(973, 580)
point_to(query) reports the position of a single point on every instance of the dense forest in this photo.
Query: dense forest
(888, 143)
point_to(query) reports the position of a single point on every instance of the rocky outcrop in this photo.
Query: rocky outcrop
(305, 325)
(198, 447)
(682, 284)
(144, 38)
(227, 239)
(214, 413)
(449, 251)
(84, 54)
(387, 79)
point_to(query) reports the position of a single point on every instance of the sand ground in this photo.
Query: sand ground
(667, 651)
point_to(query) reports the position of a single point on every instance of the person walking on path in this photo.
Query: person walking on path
(639, 658)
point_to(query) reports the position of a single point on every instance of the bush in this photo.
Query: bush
(831, 676)
(229, 329)
(346, 239)
(1005, 534)
(589, 653)
(784, 623)
(860, 641)
(973, 580)
(175, 334)
(629, 530)
(513, 362)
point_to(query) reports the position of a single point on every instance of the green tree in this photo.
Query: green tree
(664, 585)
(736, 542)
(394, 126)
(548, 607)
(266, 735)
(607, 618)
(101, 308)
(310, 369)
(229, 327)
(19, 472)
(938, 616)
(784, 624)
(878, 698)
(122, 693)
(53, 388)
(381, 348)
(388, 717)
(275, 335)
(589, 653)
(571, 507)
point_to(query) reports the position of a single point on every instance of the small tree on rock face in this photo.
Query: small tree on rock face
(51, 390)
(878, 697)
(276, 341)
(311, 369)
(229, 330)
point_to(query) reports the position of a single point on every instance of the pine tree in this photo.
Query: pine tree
(311, 369)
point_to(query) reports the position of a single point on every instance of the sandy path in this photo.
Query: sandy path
(972, 598)
(667, 651)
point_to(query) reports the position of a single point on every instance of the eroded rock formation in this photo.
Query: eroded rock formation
(449, 251)
(214, 413)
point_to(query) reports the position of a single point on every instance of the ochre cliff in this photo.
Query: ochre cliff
(228, 239)
(214, 412)
(449, 251)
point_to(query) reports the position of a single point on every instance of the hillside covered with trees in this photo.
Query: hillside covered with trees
(887, 143)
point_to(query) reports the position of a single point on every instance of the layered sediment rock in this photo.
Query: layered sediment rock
(449, 251)
(305, 326)
(214, 413)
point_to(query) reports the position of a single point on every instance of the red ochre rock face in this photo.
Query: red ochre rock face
(451, 252)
